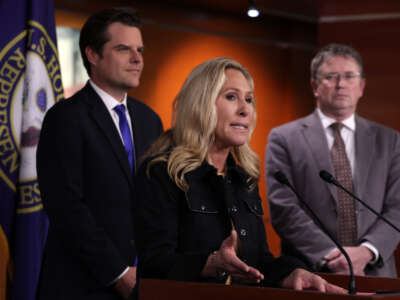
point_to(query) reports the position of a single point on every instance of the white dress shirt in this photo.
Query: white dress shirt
(110, 102)
(347, 133)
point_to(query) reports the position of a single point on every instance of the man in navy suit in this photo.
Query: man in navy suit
(86, 160)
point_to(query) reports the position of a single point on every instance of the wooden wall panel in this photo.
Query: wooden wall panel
(357, 7)
(379, 46)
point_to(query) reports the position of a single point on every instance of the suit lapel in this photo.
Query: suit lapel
(135, 130)
(139, 129)
(103, 119)
(364, 153)
(315, 136)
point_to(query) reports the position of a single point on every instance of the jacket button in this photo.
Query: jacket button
(255, 207)
(234, 209)
(203, 208)
(243, 232)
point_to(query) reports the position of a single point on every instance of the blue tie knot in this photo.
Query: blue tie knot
(120, 109)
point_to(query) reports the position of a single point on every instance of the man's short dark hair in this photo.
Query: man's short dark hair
(94, 32)
(332, 50)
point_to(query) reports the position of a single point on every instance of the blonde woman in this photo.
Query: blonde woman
(199, 214)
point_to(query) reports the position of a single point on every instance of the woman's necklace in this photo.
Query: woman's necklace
(220, 173)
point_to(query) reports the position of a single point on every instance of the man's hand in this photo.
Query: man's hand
(301, 279)
(360, 256)
(226, 260)
(126, 283)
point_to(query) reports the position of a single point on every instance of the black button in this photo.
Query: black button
(234, 209)
(243, 232)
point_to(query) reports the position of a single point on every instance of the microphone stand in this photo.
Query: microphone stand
(281, 177)
(326, 176)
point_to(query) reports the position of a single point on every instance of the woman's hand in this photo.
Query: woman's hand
(301, 279)
(225, 261)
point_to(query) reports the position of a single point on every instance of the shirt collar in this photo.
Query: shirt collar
(109, 101)
(349, 123)
(234, 171)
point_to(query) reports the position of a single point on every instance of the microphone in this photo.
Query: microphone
(325, 175)
(281, 177)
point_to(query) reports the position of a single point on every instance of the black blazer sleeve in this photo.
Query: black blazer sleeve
(158, 222)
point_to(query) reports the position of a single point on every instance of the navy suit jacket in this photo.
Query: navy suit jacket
(88, 193)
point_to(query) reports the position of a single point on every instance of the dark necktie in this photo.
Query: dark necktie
(128, 142)
(126, 135)
(347, 222)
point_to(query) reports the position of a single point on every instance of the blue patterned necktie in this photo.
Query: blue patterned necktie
(126, 135)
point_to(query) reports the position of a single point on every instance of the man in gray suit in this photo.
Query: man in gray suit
(369, 151)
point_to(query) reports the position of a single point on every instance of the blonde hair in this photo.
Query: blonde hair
(185, 146)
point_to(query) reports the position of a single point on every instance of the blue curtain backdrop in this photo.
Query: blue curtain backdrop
(30, 83)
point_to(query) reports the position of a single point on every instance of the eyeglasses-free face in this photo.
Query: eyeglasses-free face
(338, 87)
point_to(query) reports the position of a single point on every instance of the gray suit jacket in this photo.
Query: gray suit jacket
(300, 150)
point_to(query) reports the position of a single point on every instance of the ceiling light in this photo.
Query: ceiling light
(252, 11)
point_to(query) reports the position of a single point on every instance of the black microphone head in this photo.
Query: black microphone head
(281, 177)
(327, 176)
